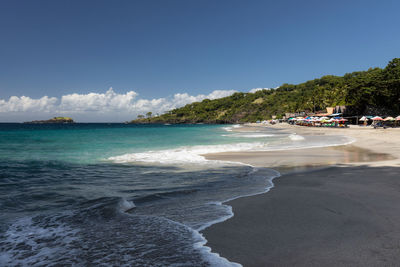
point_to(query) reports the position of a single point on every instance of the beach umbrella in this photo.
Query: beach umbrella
(389, 119)
(343, 119)
(377, 118)
(363, 118)
(398, 118)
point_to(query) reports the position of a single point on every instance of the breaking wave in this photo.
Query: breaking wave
(185, 155)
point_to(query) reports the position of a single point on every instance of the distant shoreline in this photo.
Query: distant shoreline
(58, 120)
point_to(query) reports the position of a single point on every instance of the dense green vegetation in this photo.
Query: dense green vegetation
(372, 92)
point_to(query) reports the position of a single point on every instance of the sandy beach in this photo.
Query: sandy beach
(373, 147)
(340, 210)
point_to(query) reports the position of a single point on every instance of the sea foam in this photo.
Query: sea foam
(185, 155)
(126, 205)
(33, 235)
(296, 137)
(194, 154)
(230, 128)
(249, 135)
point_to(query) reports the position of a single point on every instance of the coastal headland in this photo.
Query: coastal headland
(53, 120)
(332, 206)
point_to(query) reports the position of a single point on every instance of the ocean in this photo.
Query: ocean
(123, 194)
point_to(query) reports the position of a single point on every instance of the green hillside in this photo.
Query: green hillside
(374, 91)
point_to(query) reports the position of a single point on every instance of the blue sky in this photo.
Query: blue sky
(158, 49)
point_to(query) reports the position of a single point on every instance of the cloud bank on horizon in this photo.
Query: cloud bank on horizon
(95, 107)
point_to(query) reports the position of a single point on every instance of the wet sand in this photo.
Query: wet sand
(334, 216)
(303, 159)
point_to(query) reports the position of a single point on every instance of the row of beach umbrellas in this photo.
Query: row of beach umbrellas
(377, 118)
(318, 119)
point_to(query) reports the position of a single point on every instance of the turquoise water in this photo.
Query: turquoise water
(90, 143)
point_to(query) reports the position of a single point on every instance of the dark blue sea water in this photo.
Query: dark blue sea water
(116, 194)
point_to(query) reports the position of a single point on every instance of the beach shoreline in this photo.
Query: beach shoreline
(318, 214)
(367, 140)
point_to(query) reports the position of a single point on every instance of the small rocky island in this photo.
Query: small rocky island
(53, 120)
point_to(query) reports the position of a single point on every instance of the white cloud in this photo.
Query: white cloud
(27, 104)
(94, 102)
(258, 89)
(96, 107)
